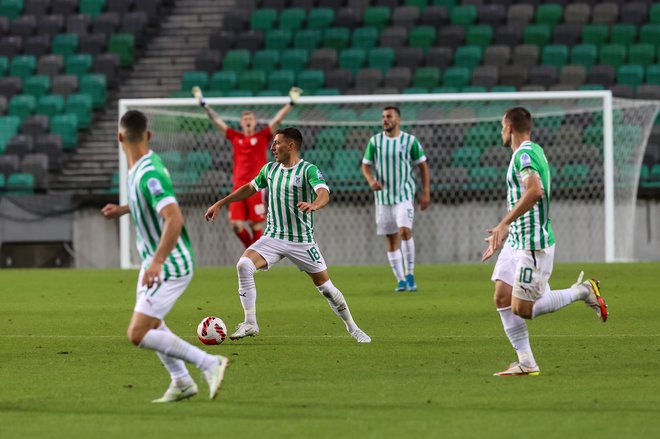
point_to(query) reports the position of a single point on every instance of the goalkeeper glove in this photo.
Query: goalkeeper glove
(199, 97)
(294, 94)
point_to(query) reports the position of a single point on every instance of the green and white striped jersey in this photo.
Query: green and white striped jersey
(286, 188)
(394, 159)
(149, 191)
(532, 230)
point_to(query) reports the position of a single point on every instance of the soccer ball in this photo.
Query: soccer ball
(212, 330)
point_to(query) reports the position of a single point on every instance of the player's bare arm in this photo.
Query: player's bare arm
(111, 211)
(243, 192)
(425, 199)
(322, 199)
(173, 223)
(374, 184)
(532, 194)
(294, 94)
(217, 120)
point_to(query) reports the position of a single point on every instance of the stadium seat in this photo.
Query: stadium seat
(263, 19)
(485, 76)
(36, 45)
(398, 77)
(10, 86)
(451, 36)
(625, 34)
(19, 146)
(223, 81)
(573, 176)
(123, 45)
(427, 77)
(236, 60)
(568, 34)
(94, 44)
(340, 79)
(642, 53)
(440, 57)
(525, 55)
(267, 59)
(81, 106)
(479, 35)
(20, 184)
(434, 15)
(484, 177)
(50, 105)
(330, 139)
(348, 17)
(37, 166)
(9, 164)
(457, 77)
(92, 7)
(37, 7)
(574, 75)
(320, 18)
(550, 13)
(579, 13)
(381, 58)
(653, 74)
(275, 39)
(106, 23)
(22, 106)
(368, 79)
(520, 15)
(463, 15)
(311, 80)
(51, 25)
(323, 59)
(23, 26)
(294, 59)
(377, 16)
(497, 55)
(612, 54)
(584, 54)
(422, 37)
(65, 125)
(352, 59)
(630, 74)
(96, 86)
(307, 39)
(251, 40)
(337, 38)
(491, 14)
(649, 33)
(365, 38)
(468, 56)
(538, 34)
(595, 34)
(196, 78)
(515, 76)
(11, 8)
(555, 54)
(65, 44)
(292, 18)
(281, 80)
(79, 24)
(634, 13)
(37, 85)
(394, 37)
(465, 156)
(605, 13)
(78, 64)
(545, 75)
(64, 84)
(135, 23)
(23, 66)
(405, 16)
(252, 80)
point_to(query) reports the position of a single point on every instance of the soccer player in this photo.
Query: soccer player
(247, 216)
(167, 263)
(394, 154)
(296, 190)
(524, 265)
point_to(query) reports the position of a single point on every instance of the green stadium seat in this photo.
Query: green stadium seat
(66, 125)
(426, 77)
(554, 55)
(267, 93)
(281, 80)
(381, 58)
(320, 157)
(352, 59)
(311, 81)
(92, 7)
(463, 15)
(292, 18)
(173, 160)
(330, 139)
(342, 114)
(124, 46)
(573, 176)
(539, 34)
(4, 66)
(294, 59)
(23, 66)
(447, 3)
(3, 183)
(327, 92)
(199, 161)
(307, 39)
(223, 81)
(267, 59)
(421, 4)
(589, 87)
(365, 38)
(550, 13)
(554, 118)
(37, 85)
(415, 90)
(278, 39)
(50, 105)
(612, 54)
(236, 60)
(80, 105)
(479, 35)
(346, 173)
(650, 33)
(96, 86)
(20, 183)
(22, 106)
(482, 135)
(642, 53)
(192, 79)
(654, 13)
(465, 156)
(503, 89)
(64, 44)
(595, 34)
(653, 180)
(584, 54)
(337, 38)
(239, 94)
(457, 77)
(79, 64)
(11, 8)
(320, 18)
(252, 80)
(468, 56)
(263, 19)
(422, 37)
(377, 16)
(484, 177)
(8, 128)
(630, 74)
(625, 34)
(653, 74)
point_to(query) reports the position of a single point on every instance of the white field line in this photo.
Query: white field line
(400, 337)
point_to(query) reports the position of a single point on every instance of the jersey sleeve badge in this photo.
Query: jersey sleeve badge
(154, 186)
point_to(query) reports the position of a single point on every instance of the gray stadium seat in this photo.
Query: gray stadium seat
(51, 145)
(622, 91)
(3, 105)
(119, 6)
(398, 77)
(10, 46)
(604, 75)
(135, 23)
(451, 36)
(543, 75)
(65, 7)
(359, 5)
(302, 4)
(525, 55)
(10, 86)
(20, 145)
(605, 13)
(149, 7)
(440, 57)
(222, 40)
(235, 20)
(573, 75)
(520, 14)
(340, 79)
(498, 55)
(434, 16)
(492, 14)
(410, 57)
(64, 84)
(389, 3)
(79, 24)
(394, 37)
(94, 44)
(51, 25)
(577, 13)
(35, 125)
(405, 16)
(4, 26)
(369, 79)
(332, 4)
(495, 156)
(208, 61)
(275, 4)
(513, 75)
(37, 45)
(648, 91)
(9, 164)
(37, 7)
(50, 65)
(348, 18)
(508, 35)
(108, 64)
(251, 40)
(386, 91)
(106, 23)
(37, 165)
(485, 76)
(634, 13)
(323, 59)
(24, 26)
(569, 34)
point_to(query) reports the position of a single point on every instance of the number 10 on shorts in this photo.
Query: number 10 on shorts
(525, 275)
(314, 254)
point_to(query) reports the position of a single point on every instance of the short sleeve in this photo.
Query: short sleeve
(261, 180)
(526, 159)
(370, 152)
(316, 179)
(231, 134)
(417, 152)
(156, 187)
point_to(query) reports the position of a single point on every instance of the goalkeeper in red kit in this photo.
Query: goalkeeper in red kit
(247, 217)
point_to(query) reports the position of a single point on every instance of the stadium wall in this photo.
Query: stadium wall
(347, 235)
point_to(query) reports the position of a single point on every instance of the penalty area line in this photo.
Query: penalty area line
(399, 337)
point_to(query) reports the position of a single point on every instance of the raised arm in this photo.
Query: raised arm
(243, 192)
(425, 199)
(217, 120)
(294, 94)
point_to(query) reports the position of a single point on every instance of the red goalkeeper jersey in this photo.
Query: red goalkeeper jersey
(249, 154)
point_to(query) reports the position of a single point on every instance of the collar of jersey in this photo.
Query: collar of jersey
(525, 145)
(393, 138)
(292, 167)
(143, 158)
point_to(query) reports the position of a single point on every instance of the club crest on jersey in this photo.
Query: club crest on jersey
(525, 160)
(253, 141)
(297, 180)
(154, 186)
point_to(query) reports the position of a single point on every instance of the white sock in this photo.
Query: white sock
(396, 262)
(247, 289)
(169, 344)
(176, 367)
(515, 329)
(553, 300)
(408, 250)
(338, 304)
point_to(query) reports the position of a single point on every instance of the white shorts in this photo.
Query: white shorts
(158, 300)
(306, 257)
(391, 217)
(527, 271)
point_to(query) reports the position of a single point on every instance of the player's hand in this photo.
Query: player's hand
(199, 97)
(497, 236)
(307, 207)
(212, 212)
(111, 211)
(489, 250)
(424, 201)
(294, 94)
(375, 185)
(152, 275)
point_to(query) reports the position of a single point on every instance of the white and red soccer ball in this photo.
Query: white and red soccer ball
(212, 330)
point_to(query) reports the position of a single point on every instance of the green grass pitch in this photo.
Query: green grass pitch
(67, 369)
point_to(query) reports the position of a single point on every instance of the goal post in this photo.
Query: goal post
(595, 140)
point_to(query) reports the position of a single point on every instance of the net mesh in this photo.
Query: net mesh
(467, 163)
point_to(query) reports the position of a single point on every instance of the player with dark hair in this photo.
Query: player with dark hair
(296, 189)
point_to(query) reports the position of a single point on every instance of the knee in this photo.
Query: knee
(405, 233)
(525, 313)
(500, 302)
(245, 267)
(135, 335)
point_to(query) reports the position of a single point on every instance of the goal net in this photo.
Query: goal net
(594, 144)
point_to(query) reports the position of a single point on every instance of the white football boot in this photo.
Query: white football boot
(215, 375)
(174, 393)
(517, 369)
(360, 336)
(245, 329)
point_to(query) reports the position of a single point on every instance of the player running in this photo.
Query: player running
(247, 216)
(167, 263)
(394, 154)
(524, 265)
(296, 190)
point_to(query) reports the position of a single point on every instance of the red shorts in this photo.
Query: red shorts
(251, 209)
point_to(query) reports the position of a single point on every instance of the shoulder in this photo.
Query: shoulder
(265, 132)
